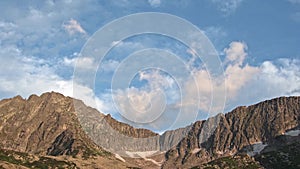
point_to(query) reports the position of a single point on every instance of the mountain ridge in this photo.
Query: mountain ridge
(48, 125)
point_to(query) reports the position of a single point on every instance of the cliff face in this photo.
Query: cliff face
(237, 130)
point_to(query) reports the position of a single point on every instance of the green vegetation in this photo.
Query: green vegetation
(89, 152)
(236, 162)
(285, 157)
(30, 161)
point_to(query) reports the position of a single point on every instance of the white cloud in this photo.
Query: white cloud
(154, 3)
(273, 79)
(139, 105)
(116, 43)
(82, 63)
(236, 53)
(244, 85)
(38, 30)
(237, 74)
(145, 104)
(281, 79)
(89, 63)
(73, 26)
(237, 77)
(156, 79)
(26, 75)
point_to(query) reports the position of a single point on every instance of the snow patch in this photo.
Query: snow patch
(119, 157)
(153, 161)
(292, 133)
(257, 148)
(144, 154)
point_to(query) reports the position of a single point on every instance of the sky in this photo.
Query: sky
(44, 43)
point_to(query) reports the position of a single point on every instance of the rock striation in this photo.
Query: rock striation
(238, 129)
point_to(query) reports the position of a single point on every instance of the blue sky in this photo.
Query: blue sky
(258, 43)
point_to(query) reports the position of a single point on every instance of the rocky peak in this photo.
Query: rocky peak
(41, 124)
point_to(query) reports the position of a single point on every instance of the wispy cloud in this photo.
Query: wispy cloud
(82, 63)
(227, 7)
(294, 1)
(154, 3)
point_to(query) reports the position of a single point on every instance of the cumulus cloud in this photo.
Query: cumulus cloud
(26, 75)
(24, 70)
(248, 84)
(73, 26)
(236, 53)
(237, 74)
(244, 84)
(282, 78)
(145, 104)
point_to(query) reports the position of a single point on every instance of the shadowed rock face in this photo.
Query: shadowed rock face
(237, 129)
(62, 144)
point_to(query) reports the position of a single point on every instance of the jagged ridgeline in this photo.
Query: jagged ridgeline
(46, 131)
